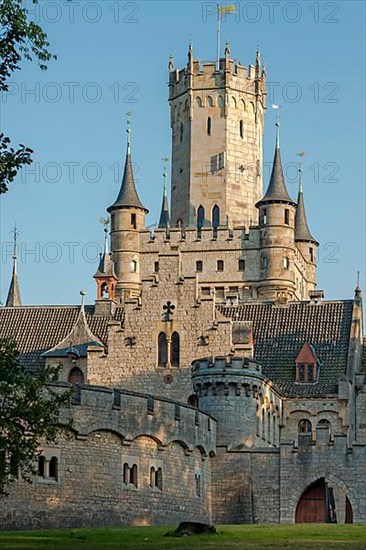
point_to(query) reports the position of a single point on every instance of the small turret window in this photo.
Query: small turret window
(286, 263)
(311, 252)
(134, 266)
(264, 262)
(209, 126)
(287, 216)
(241, 265)
(181, 131)
(241, 129)
(264, 216)
(133, 220)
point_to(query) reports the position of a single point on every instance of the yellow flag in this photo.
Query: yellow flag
(227, 9)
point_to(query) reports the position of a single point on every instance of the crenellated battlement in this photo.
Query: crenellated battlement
(131, 414)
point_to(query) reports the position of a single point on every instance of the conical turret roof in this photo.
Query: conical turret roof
(276, 190)
(14, 298)
(302, 231)
(127, 196)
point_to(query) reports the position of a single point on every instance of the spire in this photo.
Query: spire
(302, 231)
(127, 196)
(14, 299)
(106, 265)
(276, 191)
(164, 214)
(171, 62)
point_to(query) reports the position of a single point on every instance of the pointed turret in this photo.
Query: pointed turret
(127, 196)
(105, 275)
(164, 220)
(14, 298)
(302, 231)
(276, 191)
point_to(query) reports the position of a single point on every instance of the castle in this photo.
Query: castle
(211, 379)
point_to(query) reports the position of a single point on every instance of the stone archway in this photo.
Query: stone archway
(311, 507)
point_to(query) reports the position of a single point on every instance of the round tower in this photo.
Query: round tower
(234, 391)
(277, 236)
(127, 220)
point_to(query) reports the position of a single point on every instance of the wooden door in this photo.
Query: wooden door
(349, 512)
(311, 506)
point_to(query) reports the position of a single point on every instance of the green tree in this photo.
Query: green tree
(29, 411)
(20, 38)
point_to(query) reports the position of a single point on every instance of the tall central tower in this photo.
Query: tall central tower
(217, 121)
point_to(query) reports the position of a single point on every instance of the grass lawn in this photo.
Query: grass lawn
(246, 537)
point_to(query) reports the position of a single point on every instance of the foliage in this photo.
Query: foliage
(29, 411)
(20, 38)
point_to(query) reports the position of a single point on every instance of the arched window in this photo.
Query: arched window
(76, 376)
(193, 400)
(133, 475)
(162, 350)
(209, 126)
(242, 105)
(304, 426)
(241, 129)
(41, 466)
(126, 473)
(215, 217)
(220, 101)
(199, 102)
(181, 131)
(209, 101)
(197, 478)
(104, 291)
(174, 350)
(186, 105)
(233, 102)
(152, 476)
(53, 473)
(159, 479)
(200, 217)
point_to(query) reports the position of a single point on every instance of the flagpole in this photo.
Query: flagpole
(218, 36)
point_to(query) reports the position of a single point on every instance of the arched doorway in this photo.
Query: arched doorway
(349, 512)
(311, 506)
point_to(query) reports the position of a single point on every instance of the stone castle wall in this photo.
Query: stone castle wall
(111, 429)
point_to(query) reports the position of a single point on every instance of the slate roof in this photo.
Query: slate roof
(279, 332)
(302, 231)
(276, 190)
(127, 196)
(37, 329)
(164, 214)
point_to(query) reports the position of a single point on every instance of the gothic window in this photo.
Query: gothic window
(53, 468)
(133, 475)
(156, 267)
(199, 265)
(42, 466)
(287, 216)
(242, 105)
(241, 265)
(199, 102)
(159, 479)
(215, 217)
(304, 427)
(233, 102)
(241, 129)
(181, 131)
(174, 350)
(133, 220)
(209, 101)
(209, 126)
(193, 400)
(152, 476)
(162, 350)
(200, 217)
(220, 265)
(76, 376)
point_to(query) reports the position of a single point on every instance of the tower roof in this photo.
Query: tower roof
(276, 190)
(302, 231)
(14, 298)
(127, 196)
(106, 264)
(164, 220)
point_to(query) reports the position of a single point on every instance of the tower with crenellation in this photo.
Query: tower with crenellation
(217, 121)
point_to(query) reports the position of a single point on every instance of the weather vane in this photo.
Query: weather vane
(105, 222)
(128, 130)
(15, 232)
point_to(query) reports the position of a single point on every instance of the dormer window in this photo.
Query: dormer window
(307, 365)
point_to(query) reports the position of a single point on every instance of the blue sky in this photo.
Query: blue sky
(112, 58)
